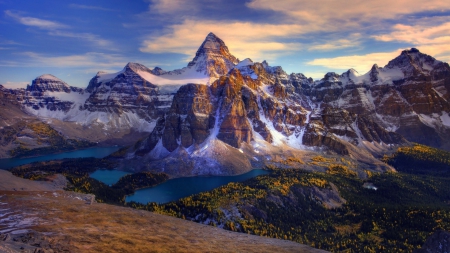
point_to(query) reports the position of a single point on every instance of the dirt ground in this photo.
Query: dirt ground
(9, 182)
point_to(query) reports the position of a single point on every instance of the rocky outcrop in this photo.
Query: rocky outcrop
(331, 126)
(190, 117)
(127, 91)
(50, 83)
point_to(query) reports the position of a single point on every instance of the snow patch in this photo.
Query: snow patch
(50, 77)
(445, 118)
(246, 62)
(159, 151)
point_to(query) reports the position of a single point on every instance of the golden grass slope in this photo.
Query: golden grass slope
(66, 220)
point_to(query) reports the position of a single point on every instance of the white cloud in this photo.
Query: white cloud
(172, 6)
(361, 63)
(430, 35)
(336, 44)
(90, 7)
(36, 22)
(349, 13)
(430, 38)
(244, 39)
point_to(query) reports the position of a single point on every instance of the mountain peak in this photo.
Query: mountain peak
(136, 67)
(48, 82)
(413, 61)
(211, 35)
(409, 51)
(49, 77)
(213, 58)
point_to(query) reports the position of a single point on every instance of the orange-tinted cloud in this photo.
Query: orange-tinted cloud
(244, 39)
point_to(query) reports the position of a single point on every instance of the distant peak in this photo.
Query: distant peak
(352, 70)
(331, 75)
(132, 64)
(158, 71)
(409, 51)
(101, 72)
(136, 67)
(211, 35)
(245, 62)
(212, 42)
(49, 77)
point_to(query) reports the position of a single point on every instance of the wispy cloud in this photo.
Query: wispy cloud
(184, 8)
(362, 63)
(172, 6)
(36, 22)
(90, 7)
(431, 38)
(337, 44)
(84, 36)
(347, 14)
(60, 30)
(98, 61)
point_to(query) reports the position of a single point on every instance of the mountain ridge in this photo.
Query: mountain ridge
(247, 110)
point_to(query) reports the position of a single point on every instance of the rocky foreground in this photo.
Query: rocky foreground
(61, 221)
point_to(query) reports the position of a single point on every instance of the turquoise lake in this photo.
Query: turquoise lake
(178, 188)
(98, 152)
(108, 177)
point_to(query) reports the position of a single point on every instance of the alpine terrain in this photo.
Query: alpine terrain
(222, 116)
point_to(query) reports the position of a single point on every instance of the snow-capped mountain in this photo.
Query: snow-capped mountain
(213, 58)
(408, 96)
(221, 116)
(134, 97)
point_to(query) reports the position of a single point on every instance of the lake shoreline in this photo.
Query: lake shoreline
(178, 188)
(96, 152)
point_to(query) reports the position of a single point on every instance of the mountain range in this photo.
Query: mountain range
(222, 116)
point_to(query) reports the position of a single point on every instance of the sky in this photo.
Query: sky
(73, 40)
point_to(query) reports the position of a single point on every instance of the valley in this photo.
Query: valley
(334, 210)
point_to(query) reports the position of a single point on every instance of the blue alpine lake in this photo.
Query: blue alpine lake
(98, 152)
(178, 188)
(108, 177)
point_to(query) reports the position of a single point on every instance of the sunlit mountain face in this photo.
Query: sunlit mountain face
(337, 113)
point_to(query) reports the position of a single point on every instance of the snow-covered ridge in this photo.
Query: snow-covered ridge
(245, 62)
(50, 78)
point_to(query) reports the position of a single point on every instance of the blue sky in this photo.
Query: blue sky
(73, 40)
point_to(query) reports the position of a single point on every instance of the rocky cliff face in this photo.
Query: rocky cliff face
(407, 96)
(253, 109)
(127, 91)
(217, 107)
